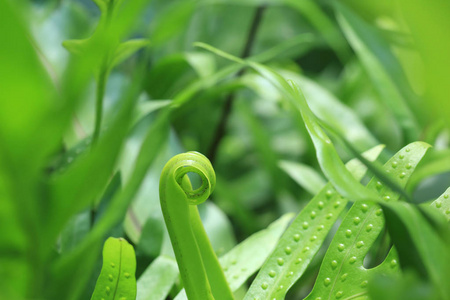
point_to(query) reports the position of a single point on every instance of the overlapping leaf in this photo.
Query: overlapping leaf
(383, 68)
(303, 239)
(342, 274)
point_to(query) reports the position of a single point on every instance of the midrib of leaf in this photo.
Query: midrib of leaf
(120, 269)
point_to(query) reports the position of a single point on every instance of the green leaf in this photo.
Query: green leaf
(116, 280)
(415, 232)
(382, 67)
(408, 286)
(218, 228)
(333, 112)
(126, 49)
(169, 75)
(262, 141)
(443, 203)
(303, 238)
(247, 257)
(29, 107)
(304, 175)
(147, 107)
(157, 280)
(102, 157)
(303, 42)
(75, 230)
(323, 23)
(69, 271)
(329, 160)
(437, 162)
(171, 21)
(309, 10)
(342, 273)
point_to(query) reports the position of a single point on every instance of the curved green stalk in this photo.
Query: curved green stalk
(202, 275)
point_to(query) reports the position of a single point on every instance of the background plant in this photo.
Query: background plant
(84, 137)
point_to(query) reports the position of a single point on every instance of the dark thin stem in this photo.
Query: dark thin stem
(101, 84)
(220, 130)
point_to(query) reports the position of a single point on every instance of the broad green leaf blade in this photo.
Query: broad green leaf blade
(382, 67)
(443, 203)
(304, 175)
(157, 280)
(116, 280)
(247, 257)
(420, 246)
(342, 273)
(303, 238)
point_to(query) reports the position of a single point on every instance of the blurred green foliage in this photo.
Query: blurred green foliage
(84, 135)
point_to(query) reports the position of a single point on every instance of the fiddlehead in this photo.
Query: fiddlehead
(200, 270)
